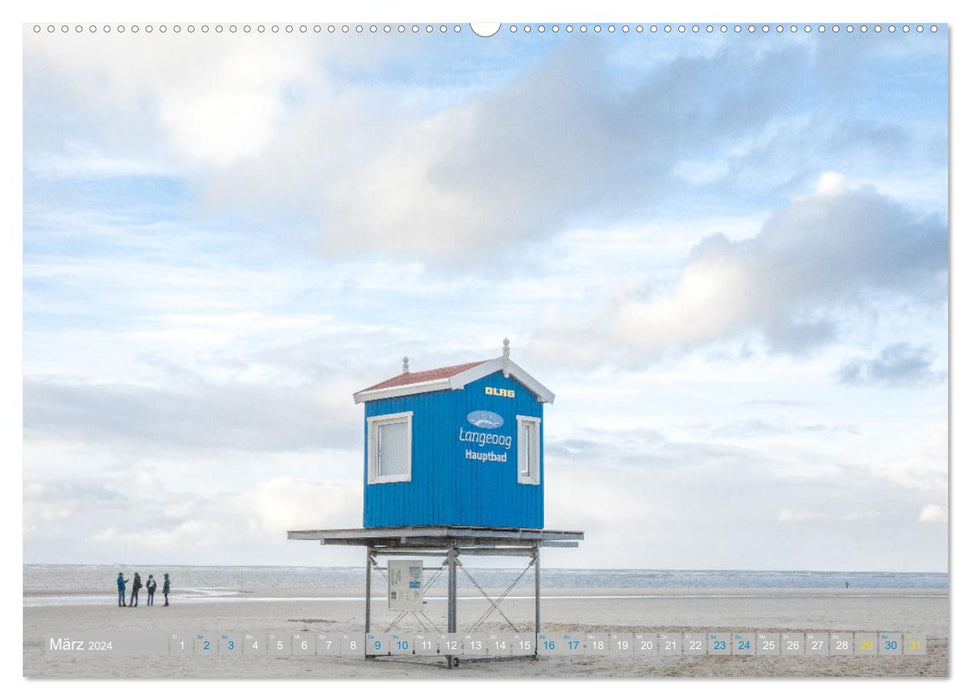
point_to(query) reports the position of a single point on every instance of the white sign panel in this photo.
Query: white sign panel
(405, 584)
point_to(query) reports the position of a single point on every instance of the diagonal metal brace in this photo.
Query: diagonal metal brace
(494, 604)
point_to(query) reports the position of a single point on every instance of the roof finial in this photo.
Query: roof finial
(404, 365)
(505, 357)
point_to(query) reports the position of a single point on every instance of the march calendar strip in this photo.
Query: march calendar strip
(480, 645)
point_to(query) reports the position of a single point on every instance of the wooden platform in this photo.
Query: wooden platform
(471, 540)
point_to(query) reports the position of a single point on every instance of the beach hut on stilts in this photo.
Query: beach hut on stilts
(453, 467)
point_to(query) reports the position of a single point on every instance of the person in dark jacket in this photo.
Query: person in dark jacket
(136, 586)
(121, 589)
(150, 586)
(165, 590)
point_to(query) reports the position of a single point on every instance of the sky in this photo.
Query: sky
(726, 254)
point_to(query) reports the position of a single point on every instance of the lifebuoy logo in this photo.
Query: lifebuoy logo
(485, 419)
(506, 393)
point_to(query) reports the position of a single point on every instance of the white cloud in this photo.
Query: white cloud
(126, 515)
(860, 515)
(194, 418)
(823, 252)
(445, 173)
(789, 515)
(213, 99)
(701, 172)
(202, 533)
(264, 511)
(899, 364)
(95, 165)
(202, 406)
(913, 467)
(555, 146)
(933, 513)
(831, 182)
(235, 107)
(288, 503)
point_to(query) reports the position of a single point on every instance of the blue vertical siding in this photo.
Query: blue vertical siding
(445, 487)
(428, 498)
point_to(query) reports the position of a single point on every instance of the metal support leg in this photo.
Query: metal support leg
(367, 594)
(452, 588)
(452, 661)
(536, 565)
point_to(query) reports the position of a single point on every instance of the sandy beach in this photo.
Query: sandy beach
(923, 612)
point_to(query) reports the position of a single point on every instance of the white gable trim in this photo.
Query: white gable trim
(459, 381)
(403, 390)
(515, 371)
(476, 373)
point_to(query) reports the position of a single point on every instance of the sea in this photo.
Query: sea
(95, 584)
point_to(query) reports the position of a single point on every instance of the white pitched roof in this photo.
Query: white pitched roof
(399, 386)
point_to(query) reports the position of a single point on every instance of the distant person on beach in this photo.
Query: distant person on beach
(165, 590)
(136, 586)
(846, 584)
(121, 589)
(150, 586)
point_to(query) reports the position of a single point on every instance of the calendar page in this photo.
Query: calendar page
(435, 349)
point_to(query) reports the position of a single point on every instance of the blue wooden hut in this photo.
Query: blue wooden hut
(459, 445)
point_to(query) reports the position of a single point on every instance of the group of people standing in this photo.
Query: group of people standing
(136, 586)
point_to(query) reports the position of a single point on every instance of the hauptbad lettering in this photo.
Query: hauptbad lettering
(486, 456)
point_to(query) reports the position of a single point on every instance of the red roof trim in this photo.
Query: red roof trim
(427, 376)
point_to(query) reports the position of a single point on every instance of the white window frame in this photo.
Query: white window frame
(373, 425)
(532, 478)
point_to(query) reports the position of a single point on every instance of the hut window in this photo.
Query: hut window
(389, 448)
(528, 449)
